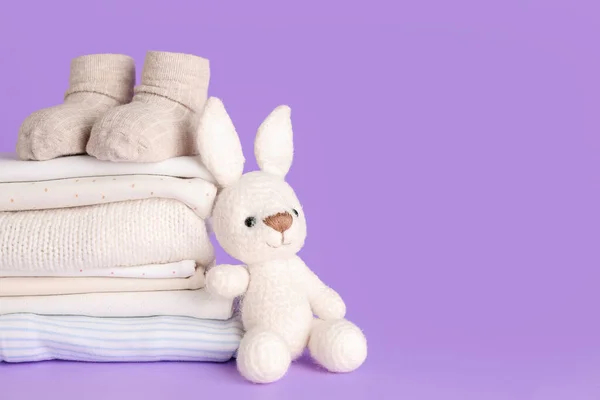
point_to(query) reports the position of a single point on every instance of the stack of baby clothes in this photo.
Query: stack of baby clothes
(103, 260)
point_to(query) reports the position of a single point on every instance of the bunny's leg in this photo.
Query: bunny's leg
(297, 339)
(338, 345)
(263, 356)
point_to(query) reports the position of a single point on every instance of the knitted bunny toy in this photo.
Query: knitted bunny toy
(257, 219)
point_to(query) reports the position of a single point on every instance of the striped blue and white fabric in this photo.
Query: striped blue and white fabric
(31, 337)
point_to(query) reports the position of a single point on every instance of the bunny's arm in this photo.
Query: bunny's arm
(228, 281)
(325, 302)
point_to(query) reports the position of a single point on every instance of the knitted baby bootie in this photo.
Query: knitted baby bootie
(162, 119)
(97, 83)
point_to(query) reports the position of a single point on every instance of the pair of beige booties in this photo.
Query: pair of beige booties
(105, 116)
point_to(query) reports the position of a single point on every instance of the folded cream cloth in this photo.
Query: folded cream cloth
(14, 170)
(185, 303)
(123, 234)
(197, 194)
(45, 286)
(180, 269)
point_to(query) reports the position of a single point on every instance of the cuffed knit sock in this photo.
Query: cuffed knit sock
(162, 119)
(97, 83)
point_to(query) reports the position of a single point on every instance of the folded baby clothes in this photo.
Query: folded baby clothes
(186, 303)
(29, 338)
(14, 170)
(124, 234)
(104, 261)
(197, 194)
(43, 286)
(180, 269)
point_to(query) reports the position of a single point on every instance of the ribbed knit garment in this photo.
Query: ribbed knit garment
(152, 231)
(162, 119)
(97, 83)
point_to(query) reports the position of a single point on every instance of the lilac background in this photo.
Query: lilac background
(448, 157)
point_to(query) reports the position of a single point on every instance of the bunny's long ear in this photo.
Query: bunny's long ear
(274, 144)
(219, 145)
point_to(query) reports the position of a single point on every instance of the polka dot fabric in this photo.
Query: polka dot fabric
(196, 194)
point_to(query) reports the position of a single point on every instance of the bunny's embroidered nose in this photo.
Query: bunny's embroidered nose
(281, 222)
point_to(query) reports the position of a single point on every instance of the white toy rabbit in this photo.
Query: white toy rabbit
(257, 219)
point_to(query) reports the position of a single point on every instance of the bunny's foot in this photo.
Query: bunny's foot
(338, 345)
(263, 356)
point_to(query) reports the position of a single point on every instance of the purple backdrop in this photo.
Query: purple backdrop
(447, 155)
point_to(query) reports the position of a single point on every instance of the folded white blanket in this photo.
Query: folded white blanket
(180, 269)
(14, 170)
(51, 286)
(30, 337)
(197, 194)
(130, 233)
(185, 303)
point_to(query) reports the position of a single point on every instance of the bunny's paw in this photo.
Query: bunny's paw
(328, 305)
(228, 281)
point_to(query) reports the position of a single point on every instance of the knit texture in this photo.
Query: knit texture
(265, 356)
(97, 83)
(337, 345)
(161, 121)
(152, 231)
(258, 219)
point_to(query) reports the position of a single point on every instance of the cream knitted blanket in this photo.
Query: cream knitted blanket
(152, 231)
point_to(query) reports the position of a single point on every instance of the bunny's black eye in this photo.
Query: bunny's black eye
(250, 222)
(295, 212)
